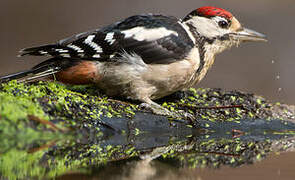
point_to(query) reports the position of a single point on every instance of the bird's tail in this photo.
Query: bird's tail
(61, 69)
(42, 70)
(50, 49)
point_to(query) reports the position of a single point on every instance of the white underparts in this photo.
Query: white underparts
(131, 58)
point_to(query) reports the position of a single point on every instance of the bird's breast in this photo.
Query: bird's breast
(169, 78)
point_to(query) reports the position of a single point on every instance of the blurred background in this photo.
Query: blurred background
(266, 69)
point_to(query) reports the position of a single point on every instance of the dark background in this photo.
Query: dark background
(266, 69)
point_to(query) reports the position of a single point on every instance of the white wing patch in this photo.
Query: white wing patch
(43, 52)
(89, 41)
(65, 55)
(62, 50)
(96, 56)
(76, 48)
(110, 38)
(143, 34)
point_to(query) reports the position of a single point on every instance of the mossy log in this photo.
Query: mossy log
(67, 128)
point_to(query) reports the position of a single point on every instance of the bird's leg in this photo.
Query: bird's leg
(155, 108)
(158, 109)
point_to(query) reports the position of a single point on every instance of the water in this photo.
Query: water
(166, 151)
(272, 168)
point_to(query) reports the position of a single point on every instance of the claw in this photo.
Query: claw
(156, 108)
(159, 110)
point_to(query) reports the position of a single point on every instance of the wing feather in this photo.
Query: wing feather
(162, 40)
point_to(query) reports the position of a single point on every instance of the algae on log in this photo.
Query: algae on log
(48, 129)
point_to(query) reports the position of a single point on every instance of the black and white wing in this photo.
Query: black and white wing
(155, 38)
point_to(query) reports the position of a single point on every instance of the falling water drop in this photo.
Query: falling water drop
(279, 89)
(278, 77)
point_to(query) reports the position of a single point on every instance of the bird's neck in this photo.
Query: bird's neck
(207, 54)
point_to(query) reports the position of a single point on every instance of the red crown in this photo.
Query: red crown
(209, 11)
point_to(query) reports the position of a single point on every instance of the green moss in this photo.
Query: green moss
(17, 164)
(79, 111)
(15, 108)
(217, 152)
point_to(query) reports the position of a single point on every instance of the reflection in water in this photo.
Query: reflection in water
(135, 170)
(199, 157)
(141, 146)
(274, 167)
(280, 89)
(165, 156)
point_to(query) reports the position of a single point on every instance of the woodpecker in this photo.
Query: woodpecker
(143, 57)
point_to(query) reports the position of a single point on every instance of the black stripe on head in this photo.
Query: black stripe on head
(199, 38)
(201, 41)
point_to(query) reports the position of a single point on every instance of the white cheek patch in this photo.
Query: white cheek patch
(208, 27)
(143, 34)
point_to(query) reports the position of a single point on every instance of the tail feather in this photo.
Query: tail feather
(40, 75)
(44, 69)
(17, 75)
(51, 49)
(62, 69)
(30, 75)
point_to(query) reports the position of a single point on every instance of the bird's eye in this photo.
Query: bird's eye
(223, 24)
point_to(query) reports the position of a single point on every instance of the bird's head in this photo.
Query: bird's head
(216, 24)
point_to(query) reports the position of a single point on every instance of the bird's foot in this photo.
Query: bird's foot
(156, 109)
(159, 110)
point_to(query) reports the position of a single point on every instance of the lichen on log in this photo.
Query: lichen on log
(76, 127)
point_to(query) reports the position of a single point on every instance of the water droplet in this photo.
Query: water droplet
(279, 89)
(278, 77)
(272, 61)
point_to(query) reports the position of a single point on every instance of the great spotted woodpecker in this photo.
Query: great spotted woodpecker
(143, 57)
